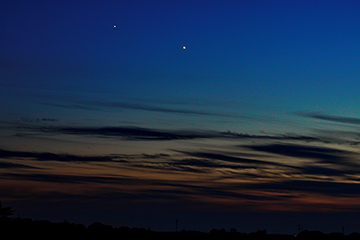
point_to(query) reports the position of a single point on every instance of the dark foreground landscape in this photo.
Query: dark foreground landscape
(19, 228)
(24, 228)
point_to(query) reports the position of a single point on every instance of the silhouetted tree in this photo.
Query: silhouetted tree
(6, 211)
(217, 231)
(354, 235)
(261, 232)
(306, 234)
(99, 227)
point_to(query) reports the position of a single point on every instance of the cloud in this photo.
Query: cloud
(136, 104)
(130, 133)
(246, 162)
(331, 118)
(151, 134)
(191, 165)
(205, 163)
(235, 135)
(59, 178)
(147, 107)
(329, 188)
(325, 162)
(300, 151)
(7, 165)
(171, 166)
(48, 125)
(325, 171)
(44, 156)
(30, 120)
(320, 154)
(219, 176)
(70, 106)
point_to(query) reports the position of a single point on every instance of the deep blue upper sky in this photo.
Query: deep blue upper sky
(292, 54)
(259, 113)
(277, 56)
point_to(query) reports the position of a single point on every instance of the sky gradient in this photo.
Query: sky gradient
(106, 117)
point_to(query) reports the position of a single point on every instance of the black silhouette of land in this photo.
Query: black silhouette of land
(21, 228)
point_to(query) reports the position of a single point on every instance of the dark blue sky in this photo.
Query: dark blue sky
(277, 51)
(105, 116)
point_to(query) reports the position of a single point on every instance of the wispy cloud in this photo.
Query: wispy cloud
(9, 165)
(325, 155)
(142, 133)
(331, 118)
(261, 179)
(45, 156)
(131, 133)
(149, 105)
(251, 170)
(62, 178)
(246, 162)
(329, 188)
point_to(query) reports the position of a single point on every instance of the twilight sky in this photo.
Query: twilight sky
(104, 115)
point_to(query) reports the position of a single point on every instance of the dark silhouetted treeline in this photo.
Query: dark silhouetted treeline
(20, 228)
